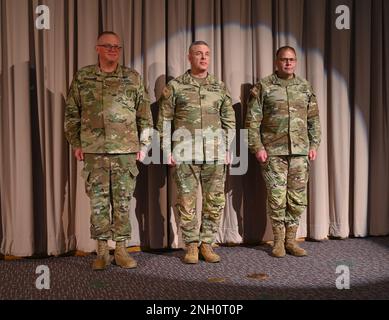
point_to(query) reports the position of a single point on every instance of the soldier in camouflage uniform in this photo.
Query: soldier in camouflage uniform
(200, 108)
(284, 133)
(106, 110)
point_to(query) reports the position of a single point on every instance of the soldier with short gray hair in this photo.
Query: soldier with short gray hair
(200, 109)
(284, 134)
(107, 109)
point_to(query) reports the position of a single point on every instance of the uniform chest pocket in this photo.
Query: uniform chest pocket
(183, 100)
(307, 97)
(90, 92)
(301, 101)
(126, 96)
(214, 108)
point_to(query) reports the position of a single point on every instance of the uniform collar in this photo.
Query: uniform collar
(188, 79)
(284, 83)
(117, 73)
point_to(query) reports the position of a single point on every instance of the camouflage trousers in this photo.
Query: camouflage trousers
(212, 178)
(286, 179)
(110, 182)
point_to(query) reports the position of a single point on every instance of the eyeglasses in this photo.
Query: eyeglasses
(110, 47)
(284, 60)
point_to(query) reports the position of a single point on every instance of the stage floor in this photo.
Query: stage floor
(245, 273)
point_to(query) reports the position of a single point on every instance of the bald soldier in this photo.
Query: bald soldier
(200, 109)
(284, 134)
(107, 109)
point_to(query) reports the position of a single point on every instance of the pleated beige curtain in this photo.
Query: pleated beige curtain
(43, 206)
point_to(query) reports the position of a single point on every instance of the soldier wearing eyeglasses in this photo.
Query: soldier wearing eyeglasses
(284, 134)
(107, 109)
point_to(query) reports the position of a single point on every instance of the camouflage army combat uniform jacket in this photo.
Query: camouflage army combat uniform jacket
(283, 117)
(203, 113)
(105, 111)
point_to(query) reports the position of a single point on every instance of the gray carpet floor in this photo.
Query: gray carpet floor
(162, 275)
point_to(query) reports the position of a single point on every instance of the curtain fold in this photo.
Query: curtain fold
(379, 119)
(360, 119)
(43, 205)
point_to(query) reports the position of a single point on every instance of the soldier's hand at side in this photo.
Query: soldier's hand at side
(140, 156)
(79, 154)
(170, 161)
(312, 155)
(261, 156)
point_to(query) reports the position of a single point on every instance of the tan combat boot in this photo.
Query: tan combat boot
(279, 241)
(122, 257)
(103, 258)
(192, 253)
(208, 254)
(291, 245)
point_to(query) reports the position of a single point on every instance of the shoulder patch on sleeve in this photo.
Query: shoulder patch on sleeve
(166, 92)
(254, 92)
